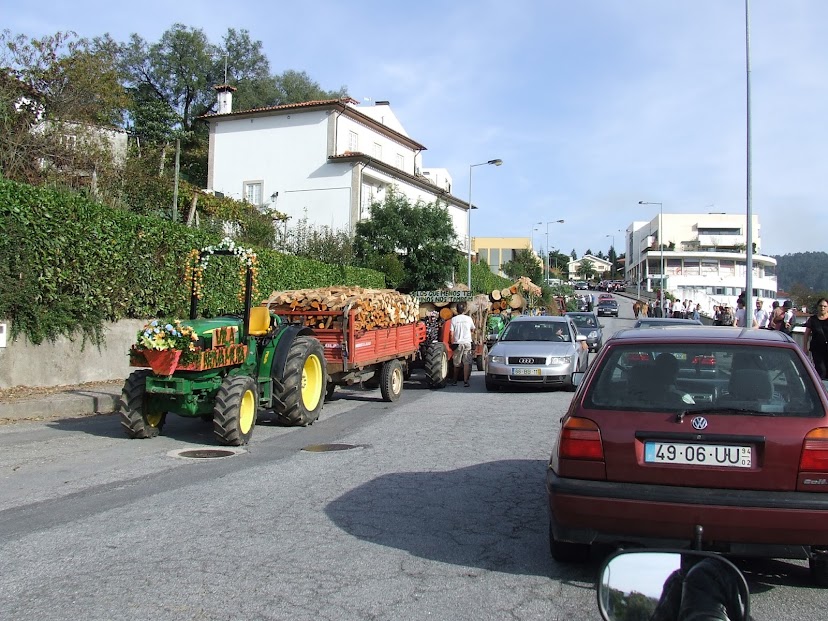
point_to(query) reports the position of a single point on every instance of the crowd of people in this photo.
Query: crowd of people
(667, 308)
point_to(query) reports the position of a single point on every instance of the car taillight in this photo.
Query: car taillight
(581, 439)
(704, 361)
(815, 451)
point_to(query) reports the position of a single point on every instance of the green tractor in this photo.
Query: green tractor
(240, 366)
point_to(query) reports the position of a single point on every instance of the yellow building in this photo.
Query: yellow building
(499, 250)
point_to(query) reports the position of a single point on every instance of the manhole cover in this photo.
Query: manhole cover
(205, 453)
(325, 448)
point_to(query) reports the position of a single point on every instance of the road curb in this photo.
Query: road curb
(61, 405)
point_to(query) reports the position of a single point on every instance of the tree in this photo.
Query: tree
(586, 269)
(297, 87)
(523, 263)
(56, 92)
(421, 237)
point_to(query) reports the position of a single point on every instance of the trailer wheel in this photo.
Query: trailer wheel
(234, 412)
(298, 397)
(436, 365)
(138, 418)
(482, 359)
(391, 380)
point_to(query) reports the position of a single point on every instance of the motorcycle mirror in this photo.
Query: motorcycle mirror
(668, 584)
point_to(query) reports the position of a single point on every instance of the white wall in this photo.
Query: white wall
(289, 154)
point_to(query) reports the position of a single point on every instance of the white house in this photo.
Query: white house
(703, 256)
(599, 265)
(324, 160)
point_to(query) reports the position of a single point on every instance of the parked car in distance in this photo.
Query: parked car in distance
(653, 453)
(607, 307)
(541, 350)
(588, 325)
(582, 285)
(662, 322)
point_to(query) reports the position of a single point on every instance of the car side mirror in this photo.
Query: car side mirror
(580, 338)
(660, 583)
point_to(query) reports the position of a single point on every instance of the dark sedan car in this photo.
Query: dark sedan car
(735, 459)
(607, 307)
(587, 324)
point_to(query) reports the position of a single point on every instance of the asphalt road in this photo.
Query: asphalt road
(437, 511)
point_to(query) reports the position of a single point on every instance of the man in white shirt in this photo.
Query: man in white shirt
(461, 328)
(788, 318)
(761, 315)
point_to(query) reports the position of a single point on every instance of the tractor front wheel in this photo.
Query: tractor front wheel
(139, 418)
(300, 394)
(234, 412)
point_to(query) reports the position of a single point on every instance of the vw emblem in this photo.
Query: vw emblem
(699, 423)
(525, 360)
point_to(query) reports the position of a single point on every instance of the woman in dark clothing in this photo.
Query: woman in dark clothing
(816, 337)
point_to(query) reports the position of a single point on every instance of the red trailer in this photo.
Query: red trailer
(379, 357)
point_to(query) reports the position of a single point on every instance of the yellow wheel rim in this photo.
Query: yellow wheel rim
(153, 419)
(311, 382)
(247, 412)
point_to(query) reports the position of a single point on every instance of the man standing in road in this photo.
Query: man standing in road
(762, 316)
(461, 329)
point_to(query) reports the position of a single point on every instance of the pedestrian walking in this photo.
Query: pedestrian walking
(815, 342)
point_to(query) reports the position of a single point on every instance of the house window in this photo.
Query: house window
(353, 142)
(253, 192)
(400, 161)
(377, 151)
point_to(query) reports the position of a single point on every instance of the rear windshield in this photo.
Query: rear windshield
(584, 321)
(769, 381)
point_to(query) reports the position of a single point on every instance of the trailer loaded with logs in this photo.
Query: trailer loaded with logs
(368, 336)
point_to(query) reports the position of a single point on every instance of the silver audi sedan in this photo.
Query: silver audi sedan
(543, 351)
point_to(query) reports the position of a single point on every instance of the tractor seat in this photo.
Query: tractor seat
(259, 321)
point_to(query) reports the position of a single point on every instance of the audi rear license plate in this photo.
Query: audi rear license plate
(728, 456)
(519, 371)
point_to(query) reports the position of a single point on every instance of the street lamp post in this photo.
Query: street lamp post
(468, 213)
(546, 256)
(660, 242)
(612, 267)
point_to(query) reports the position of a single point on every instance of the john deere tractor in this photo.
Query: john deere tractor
(241, 367)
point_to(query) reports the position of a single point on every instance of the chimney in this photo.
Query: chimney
(225, 98)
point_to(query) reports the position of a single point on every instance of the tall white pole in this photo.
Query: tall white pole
(661, 245)
(748, 181)
(468, 226)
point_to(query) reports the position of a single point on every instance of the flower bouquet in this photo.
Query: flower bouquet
(166, 345)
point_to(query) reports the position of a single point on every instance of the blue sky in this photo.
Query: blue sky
(592, 105)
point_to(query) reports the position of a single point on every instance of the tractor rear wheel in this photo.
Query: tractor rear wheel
(391, 380)
(138, 418)
(234, 412)
(298, 397)
(436, 365)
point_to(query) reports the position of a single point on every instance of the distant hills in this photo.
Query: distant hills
(809, 269)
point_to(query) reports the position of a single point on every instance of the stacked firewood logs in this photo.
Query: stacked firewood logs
(513, 297)
(376, 308)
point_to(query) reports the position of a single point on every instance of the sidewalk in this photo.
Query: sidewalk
(27, 404)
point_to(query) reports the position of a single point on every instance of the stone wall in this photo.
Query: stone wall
(67, 362)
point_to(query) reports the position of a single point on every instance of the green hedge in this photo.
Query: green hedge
(67, 265)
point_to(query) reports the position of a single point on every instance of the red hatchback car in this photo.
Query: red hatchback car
(713, 438)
